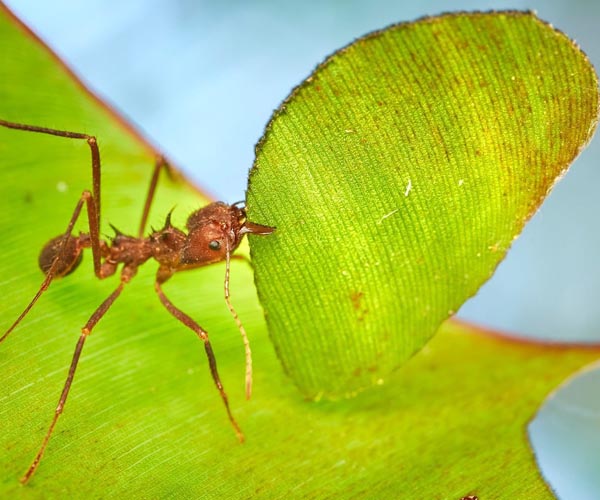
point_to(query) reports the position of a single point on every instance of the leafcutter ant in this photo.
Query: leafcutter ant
(213, 233)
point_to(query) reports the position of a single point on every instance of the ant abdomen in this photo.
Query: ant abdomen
(69, 255)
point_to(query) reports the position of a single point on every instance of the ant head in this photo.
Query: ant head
(216, 230)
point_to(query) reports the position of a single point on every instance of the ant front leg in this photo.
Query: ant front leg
(244, 258)
(61, 255)
(212, 362)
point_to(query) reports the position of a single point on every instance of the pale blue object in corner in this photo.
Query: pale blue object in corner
(566, 438)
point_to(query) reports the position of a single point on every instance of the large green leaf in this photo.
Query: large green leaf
(398, 174)
(144, 419)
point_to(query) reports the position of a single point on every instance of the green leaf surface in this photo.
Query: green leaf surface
(398, 174)
(144, 420)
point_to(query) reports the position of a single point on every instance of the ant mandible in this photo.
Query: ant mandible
(214, 232)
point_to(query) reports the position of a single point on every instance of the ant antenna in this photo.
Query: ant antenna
(238, 323)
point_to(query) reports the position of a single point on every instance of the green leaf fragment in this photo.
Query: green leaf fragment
(398, 174)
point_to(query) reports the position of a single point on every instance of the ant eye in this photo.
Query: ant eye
(214, 245)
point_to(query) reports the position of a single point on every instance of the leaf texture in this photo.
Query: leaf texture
(398, 174)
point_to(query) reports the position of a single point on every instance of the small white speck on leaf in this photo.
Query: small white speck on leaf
(387, 215)
(461, 182)
(408, 188)
(62, 187)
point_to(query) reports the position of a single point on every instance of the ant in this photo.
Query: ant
(213, 233)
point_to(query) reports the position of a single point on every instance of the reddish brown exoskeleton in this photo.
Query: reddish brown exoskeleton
(213, 233)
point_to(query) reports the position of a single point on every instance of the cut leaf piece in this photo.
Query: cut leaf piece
(398, 174)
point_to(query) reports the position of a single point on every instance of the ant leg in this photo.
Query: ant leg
(85, 332)
(88, 199)
(158, 166)
(93, 211)
(90, 139)
(212, 362)
(239, 324)
(242, 257)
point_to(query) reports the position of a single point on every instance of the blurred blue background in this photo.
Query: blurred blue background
(201, 80)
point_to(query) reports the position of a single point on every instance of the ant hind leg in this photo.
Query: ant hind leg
(61, 255)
